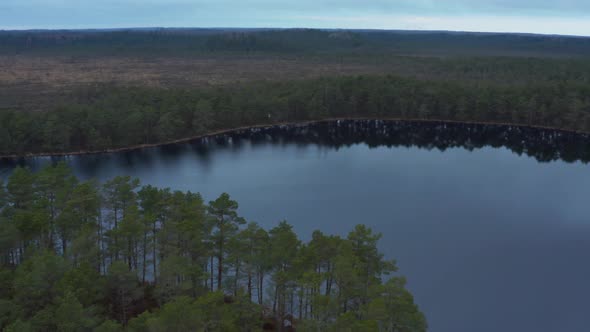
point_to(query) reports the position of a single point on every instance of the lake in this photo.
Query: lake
(490, 224)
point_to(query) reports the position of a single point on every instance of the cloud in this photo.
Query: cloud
(488, 23)
(386, 6)
(543, 16)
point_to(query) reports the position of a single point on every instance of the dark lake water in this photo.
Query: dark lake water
(490, 224)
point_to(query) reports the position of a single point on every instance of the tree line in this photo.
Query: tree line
(109, 117)
(190, 42)
(545, 145)
(79, 256)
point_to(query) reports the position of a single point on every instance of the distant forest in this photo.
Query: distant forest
(93, 90)
(301, 41)
(123, 117)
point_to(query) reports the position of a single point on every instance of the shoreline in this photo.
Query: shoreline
(294, 123)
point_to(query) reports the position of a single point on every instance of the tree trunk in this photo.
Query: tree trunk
(249, 285)
(329, 280)
(220, 254)
(274, 302)
(237, 275)
(50, 244)
(154, 255)
(130, 255)
(260, 288)
(301, 305)
(219, 269)
(211, 276)
(64, 245)
(116, 238)
(143, 258)
(101, 262)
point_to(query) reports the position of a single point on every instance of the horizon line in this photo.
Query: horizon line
(291, 28)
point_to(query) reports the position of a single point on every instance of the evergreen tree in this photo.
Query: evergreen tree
(330, 283)
(224, 212)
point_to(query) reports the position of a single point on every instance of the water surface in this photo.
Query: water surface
(490, 237)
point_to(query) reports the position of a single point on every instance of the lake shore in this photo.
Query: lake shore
(266, 125)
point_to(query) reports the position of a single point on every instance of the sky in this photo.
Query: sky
(570, 17)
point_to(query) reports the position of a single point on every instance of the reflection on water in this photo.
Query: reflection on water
(491, 235)
(543, 144)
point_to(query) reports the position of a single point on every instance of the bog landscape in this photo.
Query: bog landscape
(387, 180)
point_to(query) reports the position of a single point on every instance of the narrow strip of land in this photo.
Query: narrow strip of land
(267, 125)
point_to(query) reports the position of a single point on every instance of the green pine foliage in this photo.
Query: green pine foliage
(123, 117)
(83, 256)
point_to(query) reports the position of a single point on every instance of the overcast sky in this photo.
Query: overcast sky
(537, 16)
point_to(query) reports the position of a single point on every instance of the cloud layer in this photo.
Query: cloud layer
(539, 16)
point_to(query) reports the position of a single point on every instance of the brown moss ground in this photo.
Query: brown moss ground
(38, 83)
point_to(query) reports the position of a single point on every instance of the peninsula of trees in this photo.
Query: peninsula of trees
(79, 256)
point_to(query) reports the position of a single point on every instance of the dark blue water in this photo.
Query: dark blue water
(489, 240)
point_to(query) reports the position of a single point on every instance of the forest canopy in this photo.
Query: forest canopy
(110, 118)
(94, 90)
(285, 41)
(80, 256)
